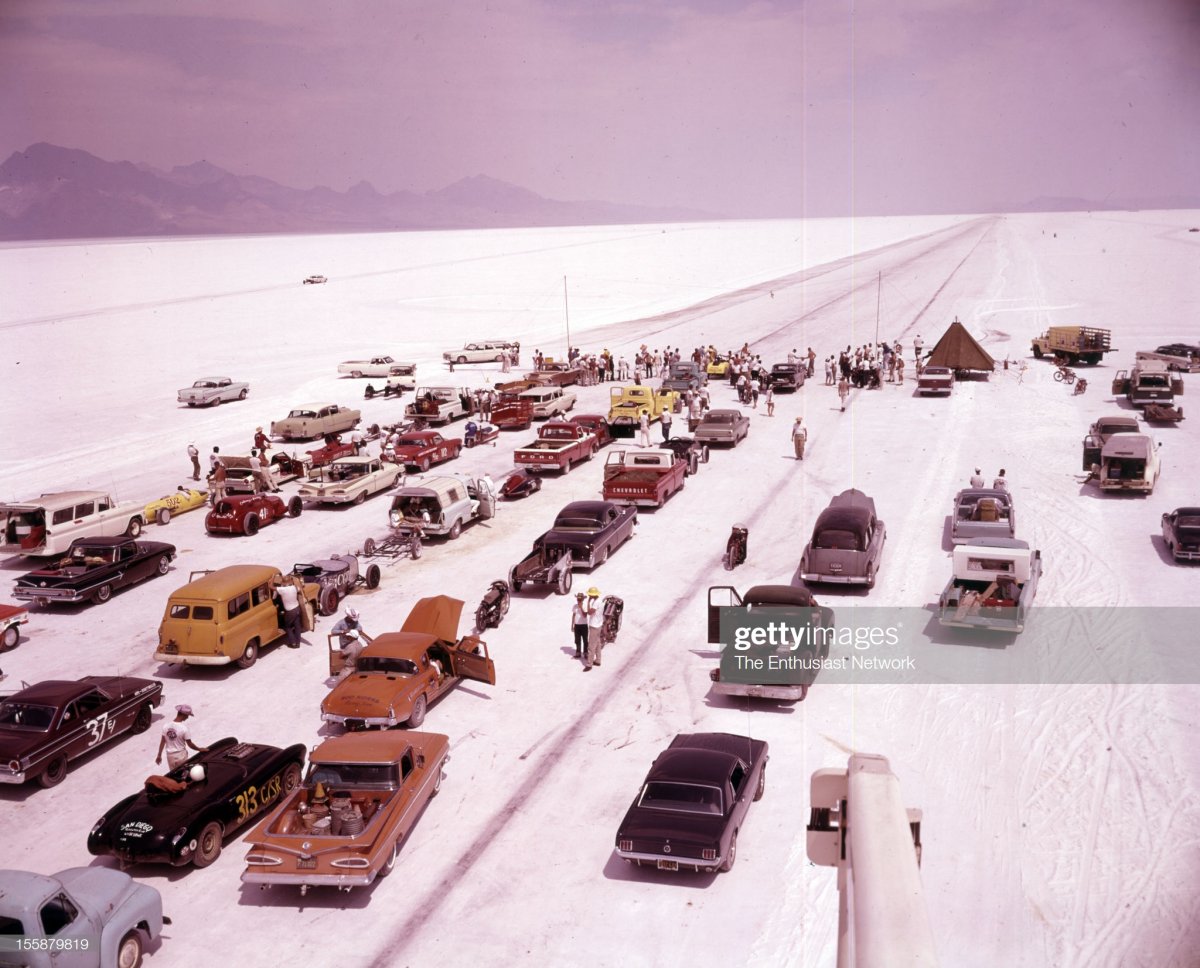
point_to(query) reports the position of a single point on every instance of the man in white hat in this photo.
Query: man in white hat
(977, 479)
(351, 637)
(194, 453)
(176, 738)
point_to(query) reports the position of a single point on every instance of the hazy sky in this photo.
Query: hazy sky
(763, 108)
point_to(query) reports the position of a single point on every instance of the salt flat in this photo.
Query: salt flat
(1061, 823)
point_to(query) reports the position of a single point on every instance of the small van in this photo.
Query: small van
(225, 616)
(47, 525)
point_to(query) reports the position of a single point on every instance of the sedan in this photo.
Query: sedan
(45, 725)
(847, 542)
(693, 802)
(93, 569)
(424, 448)
(212, 390)
(723, 427)
(1181, 532)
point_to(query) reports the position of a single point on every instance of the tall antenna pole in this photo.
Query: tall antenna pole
(567, 315)
(878, 299)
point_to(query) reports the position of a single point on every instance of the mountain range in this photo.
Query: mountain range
(50, 192)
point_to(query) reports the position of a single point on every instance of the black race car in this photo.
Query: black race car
(693, 802)
(179, 820)
(45, 725)
(93, 568)
(689, 450)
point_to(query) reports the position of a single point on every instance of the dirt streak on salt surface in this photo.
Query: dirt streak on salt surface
(1061, 822)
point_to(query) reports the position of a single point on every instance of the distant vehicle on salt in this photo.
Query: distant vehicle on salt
(315, 280)
(209, 391)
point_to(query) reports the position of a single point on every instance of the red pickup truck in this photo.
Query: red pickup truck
(559, 444)
(510, 412)
(645, 478)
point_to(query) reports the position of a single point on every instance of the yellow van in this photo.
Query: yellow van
(226, 616)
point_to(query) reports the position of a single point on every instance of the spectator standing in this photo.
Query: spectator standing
(261, 440)
(770, 400)
(176, 738)
(595, 620)
(918, 345)
(214, 459)
(644, 429)
(666, 423)
(799, 437)
(899, 368)
(194, 453)
(216, 483)
(288, 595)
(843, 391)
(579, 626)
(812, 362)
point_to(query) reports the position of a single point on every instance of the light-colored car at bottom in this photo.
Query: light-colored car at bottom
(993, 585)
(315, 420)
(350, 480)
(84, 917)
(548, 401)
(846, 544)
(211, 390)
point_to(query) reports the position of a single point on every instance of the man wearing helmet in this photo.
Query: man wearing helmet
(351, 637)
(176, 739)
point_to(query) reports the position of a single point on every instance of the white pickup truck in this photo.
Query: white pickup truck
(438, 405)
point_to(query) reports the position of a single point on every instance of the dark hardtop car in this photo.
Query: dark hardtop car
(1181, 532)
(188, 826)
(847, 542)
(93, 568)
(693, 802)
(47, 724)
(591, 530)
(787, 376)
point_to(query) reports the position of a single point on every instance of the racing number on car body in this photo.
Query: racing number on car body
(254, 798)
(99, 728)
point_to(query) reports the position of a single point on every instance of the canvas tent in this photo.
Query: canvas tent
(958, 350)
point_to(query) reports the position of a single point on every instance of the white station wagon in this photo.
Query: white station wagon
(483, 351)
(47, 525)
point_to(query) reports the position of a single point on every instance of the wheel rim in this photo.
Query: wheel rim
(104, 593)
(130, 951)
(10, 636)
(164, 565)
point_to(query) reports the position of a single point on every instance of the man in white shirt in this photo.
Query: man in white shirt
(176, 738)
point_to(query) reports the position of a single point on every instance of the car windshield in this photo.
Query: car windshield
(681, 797)
(22, 715)
(338, 775)
(301, 414)
(379, 663)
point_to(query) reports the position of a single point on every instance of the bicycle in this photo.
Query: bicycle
(1064, 374)
(735, 547)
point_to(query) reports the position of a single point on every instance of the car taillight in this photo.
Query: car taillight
(708, 854)
(625, 845)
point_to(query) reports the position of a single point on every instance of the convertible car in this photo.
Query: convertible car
(982, 513)
(47, 724)
(693, 802)
(177, 820)
(93, 568)
(400, 674)
(847, 542)
(246, 513)
(212, 390)
(344, 826)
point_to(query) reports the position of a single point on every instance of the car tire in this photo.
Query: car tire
(295, 507)
(290, 779)
(417, 717)
(216, 402)
(762, 783)
(208, 844)
(563, 586)
(360, 497)
(245, 393)
(731, 855)
(250, 525)
(603, 557)
(356, 374)
(327, 601)
(369, 546)
(437, 783)
(418, 549)
(389, 865)
(102, 594)
(129, 951)
(134, 528)
(455, 530)
(373, 576)
(870, 576)
(461, 360)
(141, 722)
(10, 637)
(164, 564)
(163, 516)
(249, 655)
(423, 466)
(513, 581)
(55, 771)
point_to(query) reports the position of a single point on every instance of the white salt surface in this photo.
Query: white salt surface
(1061, 823)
